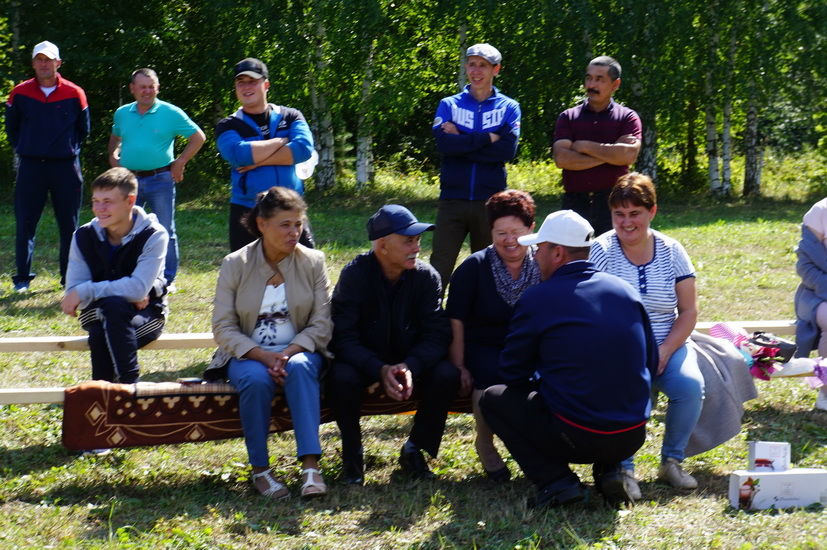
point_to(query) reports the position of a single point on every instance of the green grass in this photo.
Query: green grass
(198, 495)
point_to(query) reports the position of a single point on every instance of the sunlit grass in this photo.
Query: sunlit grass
(198, 495)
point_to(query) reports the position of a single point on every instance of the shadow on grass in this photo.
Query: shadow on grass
(32, 459)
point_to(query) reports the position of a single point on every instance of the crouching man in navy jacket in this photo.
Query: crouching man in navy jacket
(115, 277)
(586, 334)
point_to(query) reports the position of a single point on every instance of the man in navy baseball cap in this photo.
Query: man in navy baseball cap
(395, 218)
(389, 327)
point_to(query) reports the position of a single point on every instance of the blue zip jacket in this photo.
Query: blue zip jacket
(233, 137)
(473, 168)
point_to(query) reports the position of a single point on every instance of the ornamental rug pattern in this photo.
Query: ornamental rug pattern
(100, 414)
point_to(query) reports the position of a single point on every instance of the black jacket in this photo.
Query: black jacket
(375, 324)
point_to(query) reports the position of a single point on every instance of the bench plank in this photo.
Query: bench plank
(27, 396)
(78, 343)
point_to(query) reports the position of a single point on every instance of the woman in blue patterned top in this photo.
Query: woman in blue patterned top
(661, 270)
(483, 292)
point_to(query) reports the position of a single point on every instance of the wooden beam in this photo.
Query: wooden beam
(78, 343)
(25, 396)
(779, 327)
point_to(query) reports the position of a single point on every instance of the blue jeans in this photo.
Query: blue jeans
(256, 390)
(158, 192)
(683, 384)
(37, 178)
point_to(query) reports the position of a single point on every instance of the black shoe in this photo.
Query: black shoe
(500, 476)
(611, 486)
(558, 493)
(414, 465)
(353, 471)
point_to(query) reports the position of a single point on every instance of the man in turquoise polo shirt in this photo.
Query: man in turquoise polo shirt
(142, 140)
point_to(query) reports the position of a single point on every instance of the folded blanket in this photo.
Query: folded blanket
(728, 384)
(100, 414)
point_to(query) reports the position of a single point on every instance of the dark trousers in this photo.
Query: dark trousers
(543, 445)
(454, 220)
(434, 389)
(593, 206)
(37, 178)
(116, 331)
(240, 237)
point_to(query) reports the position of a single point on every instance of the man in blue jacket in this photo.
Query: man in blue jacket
(587, 337)
(47, 119)
(263, 143)
(476, 131)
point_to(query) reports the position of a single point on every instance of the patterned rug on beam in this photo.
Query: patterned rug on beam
(101, 414)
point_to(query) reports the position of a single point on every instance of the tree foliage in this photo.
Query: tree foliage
(373, 71)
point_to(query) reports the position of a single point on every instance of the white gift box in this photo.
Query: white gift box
(761, 490)
(769, 456)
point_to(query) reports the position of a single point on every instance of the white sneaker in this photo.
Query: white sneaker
(630, 482)
(671, 472)
(821, 400)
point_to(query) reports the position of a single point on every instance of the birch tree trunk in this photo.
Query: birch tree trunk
(647, 161)
(326, 141)
(364, 140)
(712, 149)
(463, 47)
(754, 154)
(689, 164)
(726, 149)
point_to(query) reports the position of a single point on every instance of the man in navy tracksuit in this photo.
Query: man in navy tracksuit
(263, 143)
(47, 119)
(587, 335)
(476, 131)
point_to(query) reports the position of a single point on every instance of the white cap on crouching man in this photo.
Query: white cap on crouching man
(564, 227)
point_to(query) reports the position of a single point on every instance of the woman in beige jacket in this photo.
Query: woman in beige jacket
(271, 320)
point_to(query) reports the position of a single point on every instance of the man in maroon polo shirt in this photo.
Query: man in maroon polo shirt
(595, 142)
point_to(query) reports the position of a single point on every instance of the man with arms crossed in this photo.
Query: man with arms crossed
(595, 143)
(476, 131)
(47, 118)
(142, 140)
(389, 327)
(586, 334)
(263, 143)
(115, 277)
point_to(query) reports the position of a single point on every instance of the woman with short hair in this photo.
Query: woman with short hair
(660, 269)
(483, 292)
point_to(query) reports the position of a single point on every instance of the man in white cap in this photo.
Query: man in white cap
(476, 132)
(586, 336)
(47, 119)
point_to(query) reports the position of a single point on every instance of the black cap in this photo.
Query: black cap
(251, 67)
(394, 218)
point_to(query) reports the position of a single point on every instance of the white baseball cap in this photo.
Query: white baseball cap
(565, 227)
(46, 48)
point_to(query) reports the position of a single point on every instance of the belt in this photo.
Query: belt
(147, 173)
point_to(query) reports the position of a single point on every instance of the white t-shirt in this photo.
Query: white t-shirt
(274, 329)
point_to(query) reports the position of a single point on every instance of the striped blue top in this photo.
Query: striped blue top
(655, 281)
